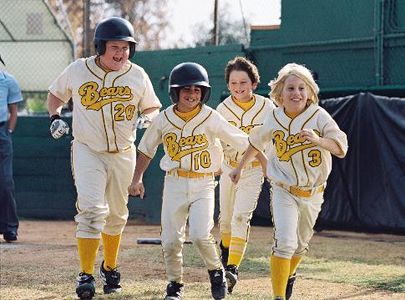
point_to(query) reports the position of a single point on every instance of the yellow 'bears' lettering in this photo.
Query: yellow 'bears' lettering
(247, 129)
(93, 99)
(89, 93)
(172, 146)
(287, 147)
(193, 143)
(281, 145)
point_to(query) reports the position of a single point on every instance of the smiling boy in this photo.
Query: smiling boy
(108, 93)
(190, 132)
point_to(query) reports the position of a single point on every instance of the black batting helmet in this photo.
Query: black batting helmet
(186, 74)
(114, 29)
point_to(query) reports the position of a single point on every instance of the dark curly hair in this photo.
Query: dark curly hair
(240, 63)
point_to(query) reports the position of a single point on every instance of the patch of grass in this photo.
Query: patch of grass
(42, 265)
(191, 257)
(386, 277)
(349, 267)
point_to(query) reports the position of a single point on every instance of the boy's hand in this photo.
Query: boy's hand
(137, 189)
(235, 175)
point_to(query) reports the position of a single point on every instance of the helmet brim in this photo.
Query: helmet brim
(119, 38)
(199, 83)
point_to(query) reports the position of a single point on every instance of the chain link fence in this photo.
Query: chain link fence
(34, 47)
(39, 38)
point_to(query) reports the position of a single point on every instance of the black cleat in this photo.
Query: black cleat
(218, 284)
(174, 291)
(231, 275)
(224, 254)
(289, 288)
(85, 288)
(111, 280)
(10, 236)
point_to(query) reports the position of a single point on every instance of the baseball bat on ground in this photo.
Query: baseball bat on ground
(153, 241)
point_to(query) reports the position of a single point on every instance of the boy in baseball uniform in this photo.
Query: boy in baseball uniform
(190, 133)
(245, 110)
(304, 137)
(108, 93)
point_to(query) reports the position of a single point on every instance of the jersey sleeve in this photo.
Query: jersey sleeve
(261, 136)
(152, 137)
(331, 130)
(14, 92)
(270, 104)
(230, 134)
(61, 87)
(149, 98)
(220, 108)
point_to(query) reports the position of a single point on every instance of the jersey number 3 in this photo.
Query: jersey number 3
(316, 158)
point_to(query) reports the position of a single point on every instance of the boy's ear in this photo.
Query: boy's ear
(254, 85)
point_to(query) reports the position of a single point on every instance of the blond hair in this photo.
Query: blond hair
(277, 84)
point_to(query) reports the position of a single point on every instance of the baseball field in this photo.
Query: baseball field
(43, 265)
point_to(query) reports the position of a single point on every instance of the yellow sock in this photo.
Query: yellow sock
(295, 261)
(111, 244)
(236, 251)
(87, 249)
(226, 239)
(280, 268)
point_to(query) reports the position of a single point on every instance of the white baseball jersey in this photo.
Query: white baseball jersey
(195, 146)
(298, 162)
(237, 202)
(105, 104)
(244, 120)
(191, 145)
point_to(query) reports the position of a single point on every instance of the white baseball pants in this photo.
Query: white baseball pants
(294, 219)
(192, 199)
(102, 181)
(237, 202)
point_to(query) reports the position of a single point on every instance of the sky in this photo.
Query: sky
(184, 14)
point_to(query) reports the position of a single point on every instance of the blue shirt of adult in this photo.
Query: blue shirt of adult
(10, 93)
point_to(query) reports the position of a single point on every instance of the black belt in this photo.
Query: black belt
(2, 123)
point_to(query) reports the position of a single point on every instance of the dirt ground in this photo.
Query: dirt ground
(43, 265)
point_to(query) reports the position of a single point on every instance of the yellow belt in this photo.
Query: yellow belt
(300, 192)
(188, 174)
(253, 164)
